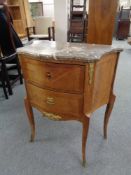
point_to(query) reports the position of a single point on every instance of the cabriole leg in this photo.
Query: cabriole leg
(108, 113)
(85, 123)
(30, 117)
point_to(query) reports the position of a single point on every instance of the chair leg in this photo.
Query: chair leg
(4, 88)
(19, 71)
(6, 79)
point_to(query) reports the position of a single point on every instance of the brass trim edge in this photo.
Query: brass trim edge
(91, 72)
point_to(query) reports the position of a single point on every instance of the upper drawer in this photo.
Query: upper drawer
(65, 77)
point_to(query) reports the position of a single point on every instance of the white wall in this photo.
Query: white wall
(125, 3)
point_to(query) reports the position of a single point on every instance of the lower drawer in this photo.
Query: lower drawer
(63, 104)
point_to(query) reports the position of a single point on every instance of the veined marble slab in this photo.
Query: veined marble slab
(46, 50)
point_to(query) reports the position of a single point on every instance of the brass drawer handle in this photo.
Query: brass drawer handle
(50, 101)
(48, 75)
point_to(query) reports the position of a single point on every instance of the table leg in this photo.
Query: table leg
(108, 113)
(30, 117)
(85, 123)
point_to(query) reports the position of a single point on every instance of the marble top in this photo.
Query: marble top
(48, 50)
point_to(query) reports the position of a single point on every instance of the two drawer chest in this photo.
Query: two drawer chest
(69, 82)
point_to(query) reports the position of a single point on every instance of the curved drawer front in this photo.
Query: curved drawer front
(64, 77)
(54, 102)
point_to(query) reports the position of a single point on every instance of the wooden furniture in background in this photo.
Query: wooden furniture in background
(123, 28)
(101, 21)
(77, 22)
(43, 29)
(7, 78)
(31, 34)
(20, 13)
(64, 87)
(3, 84)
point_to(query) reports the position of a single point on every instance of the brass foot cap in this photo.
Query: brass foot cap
(84, 164)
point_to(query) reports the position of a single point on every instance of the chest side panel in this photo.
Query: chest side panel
(104, 77)
(98, 93)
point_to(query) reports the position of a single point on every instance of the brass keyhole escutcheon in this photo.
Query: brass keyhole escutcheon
(48, 75)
